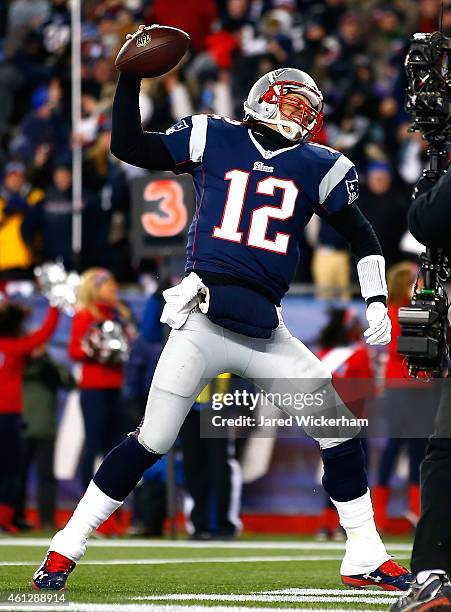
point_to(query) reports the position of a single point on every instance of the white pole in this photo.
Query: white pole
(76, 120)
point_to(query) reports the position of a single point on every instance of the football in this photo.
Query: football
(152, 51)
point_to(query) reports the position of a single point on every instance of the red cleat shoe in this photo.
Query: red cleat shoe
(53, 572)
(390, 576)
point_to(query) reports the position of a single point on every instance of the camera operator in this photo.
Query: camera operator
(424, 324)
(430, 223)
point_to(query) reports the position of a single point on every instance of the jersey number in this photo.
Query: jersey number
(258, 226)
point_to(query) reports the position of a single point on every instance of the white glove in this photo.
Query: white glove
(182, 298)
(379, 330)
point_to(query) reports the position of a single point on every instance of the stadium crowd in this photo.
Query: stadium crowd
(354, 50)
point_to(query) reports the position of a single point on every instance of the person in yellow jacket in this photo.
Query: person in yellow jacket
(17, 197)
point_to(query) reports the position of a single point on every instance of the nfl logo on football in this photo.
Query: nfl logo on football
(143, 39)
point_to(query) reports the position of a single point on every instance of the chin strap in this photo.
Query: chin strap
(292, 132)
(288, 129)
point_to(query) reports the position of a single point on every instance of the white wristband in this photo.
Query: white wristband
(371, 271)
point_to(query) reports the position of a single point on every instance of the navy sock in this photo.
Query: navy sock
(123, 467)
(344, 471)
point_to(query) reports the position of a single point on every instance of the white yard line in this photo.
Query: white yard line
(302, 558)
(354, 592)
(243, 544)
(297, 596)
(74, 607)
(345, 597)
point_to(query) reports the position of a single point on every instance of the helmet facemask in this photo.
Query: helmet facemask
(304, 120)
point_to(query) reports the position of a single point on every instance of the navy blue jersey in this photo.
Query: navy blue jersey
(253, 205)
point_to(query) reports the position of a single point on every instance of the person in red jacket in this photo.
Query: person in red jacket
(349, 360)
(399, 398)
(193, 16)
(101, 375)
(15, 348)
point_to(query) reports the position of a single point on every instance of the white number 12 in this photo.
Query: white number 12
(258, 226)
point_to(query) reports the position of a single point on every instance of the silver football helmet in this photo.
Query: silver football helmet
(270, 96)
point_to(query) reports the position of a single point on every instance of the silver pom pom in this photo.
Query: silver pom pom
(59, 286)
(106, 342)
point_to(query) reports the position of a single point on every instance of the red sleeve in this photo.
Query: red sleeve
(360, 364)
(28, 343)
(395, 329)
(362, 369)
(81, 322)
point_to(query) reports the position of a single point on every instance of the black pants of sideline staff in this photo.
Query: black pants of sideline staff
(38, 451)
(432, 546)
(213, 479)
(10, 457)
(104, 421)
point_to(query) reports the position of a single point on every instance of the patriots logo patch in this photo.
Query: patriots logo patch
(353, 190)
(181, 125)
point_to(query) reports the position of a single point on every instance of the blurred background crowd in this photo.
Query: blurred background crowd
(355, 52)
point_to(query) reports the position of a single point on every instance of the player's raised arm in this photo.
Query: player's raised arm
(128, 140)
(150, 51)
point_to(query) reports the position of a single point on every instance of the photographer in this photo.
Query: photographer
(430, 223)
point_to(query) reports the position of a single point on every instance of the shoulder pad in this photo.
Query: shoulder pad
(225, 119)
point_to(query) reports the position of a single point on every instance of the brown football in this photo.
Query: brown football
(152, 51)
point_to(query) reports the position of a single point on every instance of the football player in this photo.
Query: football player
(257, 184)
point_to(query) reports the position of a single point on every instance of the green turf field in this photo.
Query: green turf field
(165, 576)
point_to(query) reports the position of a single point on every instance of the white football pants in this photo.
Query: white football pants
(195, 354)
(200, 350)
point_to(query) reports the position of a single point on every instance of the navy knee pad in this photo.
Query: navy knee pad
(345, 476)
(123, 467)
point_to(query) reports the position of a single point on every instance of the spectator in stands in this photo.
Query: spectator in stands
(52, 218)
(349, 360)
(356, 49)
(57, 216)
(106, 192)
(42, 380)
(331, 263)
(385, 206)
(351, 43)
(17, 198)
(328, 13)
(15, 347)
(193, 16)
(10, 81)
(28, 13)
(44, 125)
(39, 168)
